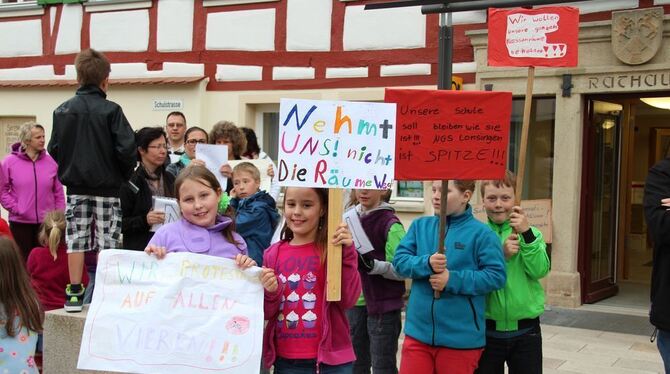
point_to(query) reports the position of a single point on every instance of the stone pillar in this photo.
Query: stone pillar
(62, 339)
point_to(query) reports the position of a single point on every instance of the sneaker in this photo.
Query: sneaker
(74, 301)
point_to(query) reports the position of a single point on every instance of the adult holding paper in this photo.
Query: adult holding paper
(226, 133)
(149, 179)
(194, 136)
(375, 320)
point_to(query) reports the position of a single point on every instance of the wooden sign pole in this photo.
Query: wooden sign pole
(444, 194)
(334, 256)
(524, 135)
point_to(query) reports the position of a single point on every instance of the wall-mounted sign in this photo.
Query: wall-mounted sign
(168, 104)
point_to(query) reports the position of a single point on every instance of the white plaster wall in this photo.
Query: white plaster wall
(120, 31)
(244, 30)
(25, 40)
(69, 30)
(52, 18)
(401, 70)
(308, 25)
(384, 28)
(346, 72)
(290, 72)
(41, 72)
(175, 25)
(464, 18)
(661, 2)
(235, 73)
(593, 6)
(170, 69)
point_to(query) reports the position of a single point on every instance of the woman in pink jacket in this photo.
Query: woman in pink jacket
(30, 186)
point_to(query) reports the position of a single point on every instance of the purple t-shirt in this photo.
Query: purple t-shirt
(183, 236)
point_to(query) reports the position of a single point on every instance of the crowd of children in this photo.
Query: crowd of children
(475, 307)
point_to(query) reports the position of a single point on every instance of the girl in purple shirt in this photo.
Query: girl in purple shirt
(201, 229)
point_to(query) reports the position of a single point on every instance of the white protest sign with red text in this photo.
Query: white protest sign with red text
(533, 37)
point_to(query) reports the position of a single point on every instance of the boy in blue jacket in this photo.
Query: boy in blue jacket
(256, 211)
(447, 335)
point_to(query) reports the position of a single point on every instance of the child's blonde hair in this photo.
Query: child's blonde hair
(508, 181)
(353, 201)
(248, 167)
(51, 231)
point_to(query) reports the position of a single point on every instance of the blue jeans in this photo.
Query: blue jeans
(523, 354)
(289, 366)
(663, 343)
(375, 340)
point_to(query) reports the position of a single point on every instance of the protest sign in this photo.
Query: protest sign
(451, 134)
(533, 37)
(167, 205)
(262, 166)
(538, 213)
(336, 144)
(185, 313)
(214, 156)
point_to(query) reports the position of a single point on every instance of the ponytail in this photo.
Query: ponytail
(51, 232)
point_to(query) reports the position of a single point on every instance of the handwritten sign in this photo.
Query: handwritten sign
(183, 314)
(538, 213)
(533, 37)
(451, 134)
(336, 144)
(262, 166)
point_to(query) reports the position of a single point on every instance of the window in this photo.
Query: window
(207, 3)
(540, 152)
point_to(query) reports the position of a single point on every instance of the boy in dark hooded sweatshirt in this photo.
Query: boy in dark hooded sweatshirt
(256, 211)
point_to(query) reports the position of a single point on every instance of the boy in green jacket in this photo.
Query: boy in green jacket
(512, 313)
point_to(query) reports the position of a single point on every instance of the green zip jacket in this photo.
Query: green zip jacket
(523, 295)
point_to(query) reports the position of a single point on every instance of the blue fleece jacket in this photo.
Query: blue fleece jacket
(256, 218)
(476, 267)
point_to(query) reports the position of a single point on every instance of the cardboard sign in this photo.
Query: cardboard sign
(336, 144)
(538, 213)
(451, 134)
(183, 314)
(533, 37)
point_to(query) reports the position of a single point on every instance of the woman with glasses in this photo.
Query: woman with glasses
(192, 137)
(148, 180)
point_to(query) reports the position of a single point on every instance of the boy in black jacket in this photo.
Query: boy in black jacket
(94, 146)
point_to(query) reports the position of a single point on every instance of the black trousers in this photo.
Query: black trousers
(25, 235)
(523, 354)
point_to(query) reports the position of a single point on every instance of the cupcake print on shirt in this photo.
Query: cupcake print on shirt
(309, 320)
(293, 281)
(309, 280)
(292, 320)
(308, 300)
(282, 278)
(292, 300)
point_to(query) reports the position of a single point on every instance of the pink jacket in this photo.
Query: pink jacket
(335, 347)
(30, 189)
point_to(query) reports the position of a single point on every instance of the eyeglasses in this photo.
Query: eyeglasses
(194, 141)
(175, 125)
(159, 146)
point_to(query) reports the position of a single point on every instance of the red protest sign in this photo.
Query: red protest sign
(451, 134)
(533, 37)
